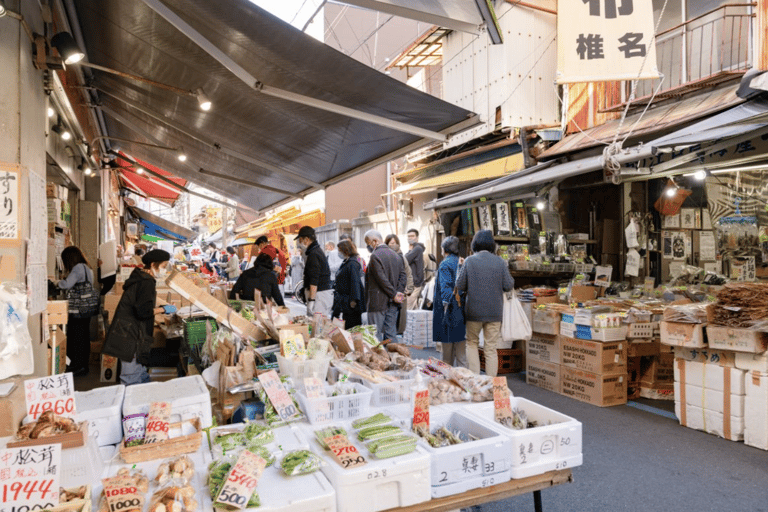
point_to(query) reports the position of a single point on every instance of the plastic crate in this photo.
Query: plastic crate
(510, 360)
(298, 370)
(391, 393)
(337, 408)
(195, 329)
(587, 332)
(640, 330)
(555, 444)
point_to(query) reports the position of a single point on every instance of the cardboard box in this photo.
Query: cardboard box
(302, 329)
(706, 355)
(118, 288)
(660, 370)
(57, 352)
(543, 347)
(600, 390)
(545, 321)
(660, 391)
(583, 293)
(13, 408)
(643, 348)
(738, 340)
(594, 356)
(58, 312)
(683, 335)
(96, 348)
(752, 363)
(543, 375)
(756, 410)
(635, 370)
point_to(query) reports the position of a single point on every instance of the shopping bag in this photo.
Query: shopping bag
(514, 323)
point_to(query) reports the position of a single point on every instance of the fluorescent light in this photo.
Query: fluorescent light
(51, 112)
(67, 48)
(700, 175)
(203, 100)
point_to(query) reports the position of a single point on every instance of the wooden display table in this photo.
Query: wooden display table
(498, 492)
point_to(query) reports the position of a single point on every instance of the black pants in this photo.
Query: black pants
(79, 343)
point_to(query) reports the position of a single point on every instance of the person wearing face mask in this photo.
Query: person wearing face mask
(130, 334)
(317, 274)
(334, 260)
(393, 242)
(384, 286)
(415, 258)
(348, 292)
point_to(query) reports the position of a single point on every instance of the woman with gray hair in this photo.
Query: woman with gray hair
(448, 317)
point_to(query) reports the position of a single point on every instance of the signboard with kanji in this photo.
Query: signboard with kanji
(10, 207)
(603, 40)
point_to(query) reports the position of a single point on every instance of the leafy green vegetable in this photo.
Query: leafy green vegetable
(300, 462)
(216, 477)
(327, 432)
(372, 421)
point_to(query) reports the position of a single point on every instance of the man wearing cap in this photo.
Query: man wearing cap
(317, 275)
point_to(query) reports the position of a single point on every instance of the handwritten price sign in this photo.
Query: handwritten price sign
(55, 393)
(277, 394)
(30, 476)
(501, 406)
(241, 481)
(421, 409)
(345, 454)
(122, 494)
(157, 422)
(313, 388)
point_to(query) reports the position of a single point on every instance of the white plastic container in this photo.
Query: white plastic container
(298, 370)
(390, 393)
(336, 408)
(380, 484)
(81, 465)
(556, 444)
(189, 398)
(101, 407)
(472, 464)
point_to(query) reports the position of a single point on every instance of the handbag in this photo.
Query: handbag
(514, 323)
(83, 299)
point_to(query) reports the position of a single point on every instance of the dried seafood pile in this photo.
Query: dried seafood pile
(741, 305)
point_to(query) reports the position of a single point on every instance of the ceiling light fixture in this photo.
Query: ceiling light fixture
(181, 156)
(700, 175)
(203, 100)
(65, 135)
(88, 171)
(2, 8)
(540, 205)
(671, 192)
(67, 48)
(139, 170)
(51, 112)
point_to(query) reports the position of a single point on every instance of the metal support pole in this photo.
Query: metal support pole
(537, 501)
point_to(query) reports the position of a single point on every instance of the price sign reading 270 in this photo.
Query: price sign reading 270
(29, 477)
(55, 393)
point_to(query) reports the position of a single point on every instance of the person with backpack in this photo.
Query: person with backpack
(415, 259)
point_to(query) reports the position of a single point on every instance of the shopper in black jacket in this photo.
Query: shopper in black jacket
(130, 334)
(260, 277)
(348, 293)
(317, 274)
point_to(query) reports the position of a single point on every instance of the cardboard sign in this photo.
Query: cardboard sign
(421, 409)
(241, 481)
(343, 451)
(29, 477)
(278, 395)
(157, 422)
(313, 388)
(55, 393)
(122, 494)
(501, 406)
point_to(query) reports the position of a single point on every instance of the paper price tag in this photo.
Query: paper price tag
(343, 451)
(278, 395)
(55, 393)
(30, 476)
(313, 388)
(241, 481)
(421, 409)
(501, 406)
(440, 366)
(122, 494)
(157, 422)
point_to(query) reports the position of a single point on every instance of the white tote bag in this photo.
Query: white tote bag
(514, 323)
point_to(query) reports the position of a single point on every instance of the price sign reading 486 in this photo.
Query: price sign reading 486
(29, 477)
(55, 393)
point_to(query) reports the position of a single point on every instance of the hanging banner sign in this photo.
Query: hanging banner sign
(602, 40)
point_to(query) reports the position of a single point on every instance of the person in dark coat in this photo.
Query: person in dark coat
(130, 333)
(317, 274)
(348, 292)
(384, 286)
(260, 277)
(402, 315)
(447, 317)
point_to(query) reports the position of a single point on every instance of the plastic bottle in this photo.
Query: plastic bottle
(418, 385)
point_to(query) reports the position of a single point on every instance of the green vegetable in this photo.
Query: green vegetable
(258, 435)
(135, 442)
(372, 421)
(368, 332)
(327, 432)
(263, 453)
(270, 414)
(300, 462)
(392, 446)
(216, 477)
(442, 437)
(371, 433)
(230, 441)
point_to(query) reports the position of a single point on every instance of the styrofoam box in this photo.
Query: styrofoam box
(556, 444)
(711, 421)
(756, 411)
(380, 484)
(752, 362)
(101, 408)
(710, 399)
(472, 464)
(188, 396)
(710, 376)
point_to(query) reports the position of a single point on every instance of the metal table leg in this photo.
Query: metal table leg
(537, 501)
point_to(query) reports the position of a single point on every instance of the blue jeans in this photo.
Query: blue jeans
(385, 322)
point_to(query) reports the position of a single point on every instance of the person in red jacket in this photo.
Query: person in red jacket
(276, 254)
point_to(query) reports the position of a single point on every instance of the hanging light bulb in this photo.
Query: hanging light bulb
(88, 171)
(65, 135)
(671, 192)
(139, 170)
(700, 175)
(182, 157)
(203, 100)
(67, 48)
(2, 8)
(51, 112)
(540, 205)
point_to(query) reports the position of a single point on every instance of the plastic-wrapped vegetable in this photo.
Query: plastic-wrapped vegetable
(218, 471)
(263, 453)
(258, 435)
(371, 433)
(300, 462)
(327, 432)
(392, 446)
(229, 442)
(372, 421)
(270, 414)
(368, 332)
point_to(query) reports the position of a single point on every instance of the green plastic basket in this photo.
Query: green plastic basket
(194, 330)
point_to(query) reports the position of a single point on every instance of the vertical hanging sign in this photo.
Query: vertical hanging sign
(602, 40)
(10, 231)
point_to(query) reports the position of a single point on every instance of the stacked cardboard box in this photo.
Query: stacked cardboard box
(418, 330)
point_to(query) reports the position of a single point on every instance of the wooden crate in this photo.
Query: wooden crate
(70, 440)
(510, 360)
(83, 505)
(170, 448)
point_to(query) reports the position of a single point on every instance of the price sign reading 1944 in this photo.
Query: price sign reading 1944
(29, 477)
(55, 393)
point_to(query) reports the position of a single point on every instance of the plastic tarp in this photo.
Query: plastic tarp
(159, 227)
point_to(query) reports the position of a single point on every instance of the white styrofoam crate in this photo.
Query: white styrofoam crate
(391, 393)
(299, 370)
(336, 408)
(710, 421)
(555, 444)
(380, 484)
(101, 408)
(472, 464)
(188, 396)
(756, 411)
(640, 330)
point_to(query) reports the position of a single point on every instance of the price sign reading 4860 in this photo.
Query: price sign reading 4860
(29, 477)
(55, 393)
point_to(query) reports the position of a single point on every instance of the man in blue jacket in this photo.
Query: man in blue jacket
(384, 286)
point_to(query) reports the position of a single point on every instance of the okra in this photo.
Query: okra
(370, 433)
(372, 421)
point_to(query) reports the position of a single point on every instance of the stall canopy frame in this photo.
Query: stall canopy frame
(158, 226)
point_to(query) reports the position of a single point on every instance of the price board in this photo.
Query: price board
(344, 452)
(241, 481)
(313, 388)
(501, 406)
(122, 494)
(55, 393)
(29, 477)
(421, 409)
(277, 394)
(157, 422)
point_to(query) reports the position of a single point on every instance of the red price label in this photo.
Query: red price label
(241, 480)
(421, 409)
(60, 407)
(122, 495)
(157, 422)
(313, 388)
(501, 404)
(55, 393)
(343, 451)
(29, 491)
(277, 394)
